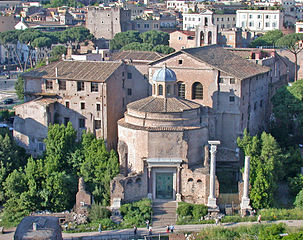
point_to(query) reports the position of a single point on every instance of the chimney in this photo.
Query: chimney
(56, 72)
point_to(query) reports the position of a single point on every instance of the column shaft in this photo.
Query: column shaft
(246, 176)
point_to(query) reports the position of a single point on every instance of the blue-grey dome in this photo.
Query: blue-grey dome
(164, 75)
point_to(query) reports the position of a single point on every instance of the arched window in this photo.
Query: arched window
(197, 91)
(201, 38)
(181, 89)
(190, 180)
(209, 38)
(160, 90)
(168, 90)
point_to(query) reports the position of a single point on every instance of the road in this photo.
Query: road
(143, 231)
(7, 89)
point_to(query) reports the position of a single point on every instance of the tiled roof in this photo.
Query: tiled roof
(162, 105)
(136, 55)
(76, 70)
(188, 33)
(226, 61)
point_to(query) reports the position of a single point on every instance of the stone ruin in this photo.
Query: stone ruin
(84, 199)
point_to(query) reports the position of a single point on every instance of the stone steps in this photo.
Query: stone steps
(164, 213)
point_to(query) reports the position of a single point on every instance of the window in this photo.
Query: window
(94, 87)
(123, 83)
(129, 76)
(41, 146)
(232, 81)
(259, 16)
(49, 84)
(250, 16)
(62, 85)
(274, 24)
(129, 91)
(81, 123)
(67, 104)
(160, 90)
(255, 106)
(267, 24)
(146, 25)
(181, 89)
(261, 103)
(197, 91)
(180, 61)
(97, 124)
(168, 90)
(80, 86)
(138, 25)
(66, 120)
(251, 24)
(221, 80)
(98, 107)
(179, 38)
(231, 98)
(82, 105)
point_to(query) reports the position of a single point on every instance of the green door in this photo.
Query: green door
(164, 185)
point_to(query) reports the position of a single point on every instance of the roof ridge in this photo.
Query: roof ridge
(149, 101)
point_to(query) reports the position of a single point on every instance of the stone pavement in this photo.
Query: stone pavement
(119, 234)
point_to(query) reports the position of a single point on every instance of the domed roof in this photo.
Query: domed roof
(164, 75)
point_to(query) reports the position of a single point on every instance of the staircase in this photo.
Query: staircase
(164, 213)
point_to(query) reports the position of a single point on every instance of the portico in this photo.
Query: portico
(164, 179)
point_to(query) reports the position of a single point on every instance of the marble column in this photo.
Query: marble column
(149, 184)
(212, 201)
(245, 199)
(206, 156)
(178, 195)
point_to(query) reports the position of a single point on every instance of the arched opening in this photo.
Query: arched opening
(206, 21)
(199, 181)
(154, 88)
(168, 90)
(129, 182)
(138, 181)
(181, 89)
(209, 37)
(197, 91)
(201, 38)
(160, 90)
(190, 180)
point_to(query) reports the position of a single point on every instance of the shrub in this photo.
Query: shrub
(184, 209)
(199, 210)
(299, 200)
(98, 212)
(272, 232)
(136, 213)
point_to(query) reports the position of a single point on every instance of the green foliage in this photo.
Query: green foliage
(194, 211)
(296, 184)
(123, 38)
(136, 213)
(42, 42)
(287, 125)
(266, 167)
(299, 199)
(60, 3)
(272, 232)
(155, 38)
(58, 51)
(5, 115)
(98, 212)
(155, 41)
(19, 87)
(294, 236)
(268, 39)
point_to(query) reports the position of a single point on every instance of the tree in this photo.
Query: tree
(163, 49)
(299, 199)
(58, 50)
(138, 47)
(98, 168)
(268, 39)
(123, 38)
(287, 124)
(292, 43)
(155, 37)
(266, 166)
(19, 87)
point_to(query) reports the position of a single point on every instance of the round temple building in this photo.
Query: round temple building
(163, 147)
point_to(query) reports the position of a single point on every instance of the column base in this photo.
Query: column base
(212, 203)
(245, 207)
(178, 197)
(150, 196)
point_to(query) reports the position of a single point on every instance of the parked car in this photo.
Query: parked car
(8, 101)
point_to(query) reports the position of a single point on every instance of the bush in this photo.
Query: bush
(272, 232)
(184, 209)
(98, 212)
(199, 210)
(136, 213)
(299, 200)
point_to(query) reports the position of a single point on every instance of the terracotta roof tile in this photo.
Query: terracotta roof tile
(226, 61)
(76, 70)
(162, 105)
(136, 55)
